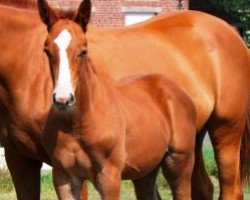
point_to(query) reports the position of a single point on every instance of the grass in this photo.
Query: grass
(210, 164)
(6, 184)
(127, 190)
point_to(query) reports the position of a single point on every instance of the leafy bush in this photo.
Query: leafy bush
(247, 38)
(239, 9)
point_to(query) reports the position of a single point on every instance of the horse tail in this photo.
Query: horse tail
(202, 187)
(245, 152)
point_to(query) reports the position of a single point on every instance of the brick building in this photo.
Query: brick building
(125, 12)
(115, 13)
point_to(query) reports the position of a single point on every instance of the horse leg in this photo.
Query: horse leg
(177, 168)
(145, 188)
(108, 182)
(226, 138)
(66, 186)
(25, 175)
(202, 187)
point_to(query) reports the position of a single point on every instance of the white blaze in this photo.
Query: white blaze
(63, 87)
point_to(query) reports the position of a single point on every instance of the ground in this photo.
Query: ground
(127, 191)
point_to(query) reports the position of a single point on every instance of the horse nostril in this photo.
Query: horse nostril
(71, 99)
(54, 98)
(63, 101)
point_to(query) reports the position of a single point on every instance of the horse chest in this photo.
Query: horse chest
(71, 157)
(78, 157)
(78, 164)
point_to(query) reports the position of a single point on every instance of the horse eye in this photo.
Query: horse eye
(82, 53)
(47, 51)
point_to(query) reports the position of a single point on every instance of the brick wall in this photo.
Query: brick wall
(108, 13)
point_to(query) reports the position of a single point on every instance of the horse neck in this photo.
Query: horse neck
(25, 68)
(21, 81)
(92, 89)
(31, 4)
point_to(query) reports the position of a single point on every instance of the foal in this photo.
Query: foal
(105, 131)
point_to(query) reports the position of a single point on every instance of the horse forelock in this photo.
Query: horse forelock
(65, 13)
(65, 9)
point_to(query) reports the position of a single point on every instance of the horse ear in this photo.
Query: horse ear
(83, 14)
(47, 15)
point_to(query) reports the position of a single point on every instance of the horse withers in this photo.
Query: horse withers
(106, 131)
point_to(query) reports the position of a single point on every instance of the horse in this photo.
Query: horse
(212, 67)
(24, 104)
(105, 131)
(202, 53)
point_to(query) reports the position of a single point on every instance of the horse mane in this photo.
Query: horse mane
(30, 4)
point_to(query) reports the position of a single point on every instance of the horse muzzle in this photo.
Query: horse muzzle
(63, 103)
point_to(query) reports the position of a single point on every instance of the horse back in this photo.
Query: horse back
(200, 52)
(160, 89)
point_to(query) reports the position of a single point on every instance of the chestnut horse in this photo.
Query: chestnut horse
(203, 54)
(213, 67)
(104, 131)
(25, 90)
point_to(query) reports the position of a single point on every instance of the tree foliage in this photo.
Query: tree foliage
(240, 9)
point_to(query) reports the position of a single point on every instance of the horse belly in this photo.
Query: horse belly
(146, 150)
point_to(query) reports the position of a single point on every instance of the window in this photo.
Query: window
(138, 14)
(132, 18)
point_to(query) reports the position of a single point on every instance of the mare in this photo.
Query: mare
(202, 53)
(208, 60)
(105, 131)
(25, 90)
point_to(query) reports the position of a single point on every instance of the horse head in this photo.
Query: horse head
(66, 48)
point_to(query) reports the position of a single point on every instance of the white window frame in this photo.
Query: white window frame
(143, 13)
